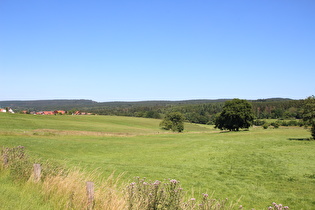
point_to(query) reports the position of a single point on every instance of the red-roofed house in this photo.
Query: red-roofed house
(60, 112)
(48, 113)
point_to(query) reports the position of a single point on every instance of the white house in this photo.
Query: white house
(5, 110)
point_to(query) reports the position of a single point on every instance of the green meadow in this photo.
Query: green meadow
(259, 166)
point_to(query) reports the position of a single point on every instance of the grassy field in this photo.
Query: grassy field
(14, 196)
(259, 166)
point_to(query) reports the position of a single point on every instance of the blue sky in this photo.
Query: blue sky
(156, 50)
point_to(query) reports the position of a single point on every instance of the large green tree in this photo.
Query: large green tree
(236, 114)
(309, 113)
(173, 121)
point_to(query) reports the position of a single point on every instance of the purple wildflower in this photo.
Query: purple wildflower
(174, 181)
(157, 182)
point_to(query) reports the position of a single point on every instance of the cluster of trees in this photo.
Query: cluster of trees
(309, 113)
(278, 109)
(237, 114)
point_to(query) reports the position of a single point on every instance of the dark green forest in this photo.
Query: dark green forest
(195, 111)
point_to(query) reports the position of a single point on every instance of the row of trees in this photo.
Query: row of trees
(195, 111)
(205, 113)
(237, 114)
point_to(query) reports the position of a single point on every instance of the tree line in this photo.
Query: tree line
(194, 111)
(205, 113)
(238, 114)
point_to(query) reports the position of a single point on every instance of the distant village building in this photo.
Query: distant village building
(77, 113)
(7, 109)
(81, 113)
(60, 112)
(56, 112)
(49, 112)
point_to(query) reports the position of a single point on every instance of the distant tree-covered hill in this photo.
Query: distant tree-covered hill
(40, 105)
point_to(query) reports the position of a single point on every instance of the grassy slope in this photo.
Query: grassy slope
(262, 166)
(108, 124)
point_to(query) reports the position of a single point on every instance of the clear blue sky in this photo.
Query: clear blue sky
(123, 50)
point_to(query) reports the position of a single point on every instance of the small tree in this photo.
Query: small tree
(173, 121)
(309, 113)
(236, 114)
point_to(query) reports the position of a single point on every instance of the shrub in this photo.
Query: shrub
(17, 161)
(265, 126)
(259, 122)
(275, 124)
(144, 194)
(293, 123)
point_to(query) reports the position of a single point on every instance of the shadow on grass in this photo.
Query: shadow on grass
(300, 139)
(227, 131)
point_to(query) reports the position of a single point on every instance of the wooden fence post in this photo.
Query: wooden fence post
(90, 194)
(37, 172)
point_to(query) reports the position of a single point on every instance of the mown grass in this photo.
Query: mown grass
(260, 166)
(105, 124)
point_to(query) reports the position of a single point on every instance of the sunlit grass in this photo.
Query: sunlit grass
(14, 195)
(260, 166)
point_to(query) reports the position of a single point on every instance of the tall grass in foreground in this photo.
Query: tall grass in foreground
(65, 189)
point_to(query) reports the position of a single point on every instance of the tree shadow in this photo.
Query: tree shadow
(227, 131)
(221, 131)
(299, 139)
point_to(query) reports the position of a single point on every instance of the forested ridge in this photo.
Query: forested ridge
(195, 111)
